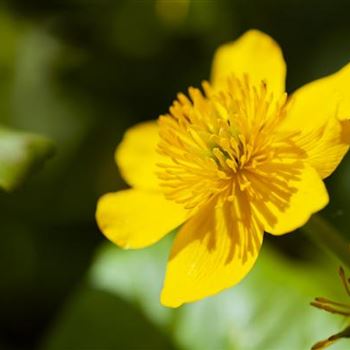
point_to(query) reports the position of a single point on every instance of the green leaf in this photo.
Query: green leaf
(268, 310)
(21, 153)
(96, 319)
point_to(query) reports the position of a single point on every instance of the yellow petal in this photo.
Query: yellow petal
(255, 54)
(136, 219)
(315, 103)
(213, 251)
(321, 111)
(327, 146)
(136, 155)
(287, 204)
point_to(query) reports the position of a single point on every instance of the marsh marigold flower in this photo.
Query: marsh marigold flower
(229, 162)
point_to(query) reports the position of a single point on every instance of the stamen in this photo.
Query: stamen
(344, 280)
(331, 302)
(209, 139)
(330, 309)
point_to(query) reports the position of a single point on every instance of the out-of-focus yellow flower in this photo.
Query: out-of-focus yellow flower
(228, 164)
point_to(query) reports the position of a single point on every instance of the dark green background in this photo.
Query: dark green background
(81, 72)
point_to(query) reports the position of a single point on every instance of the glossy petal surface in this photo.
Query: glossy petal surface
(213, 251)
(288, 200)
(255, 54)
(136, 219)
(136, 155)
(321, 111)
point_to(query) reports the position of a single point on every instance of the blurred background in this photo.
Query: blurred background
(80, 73)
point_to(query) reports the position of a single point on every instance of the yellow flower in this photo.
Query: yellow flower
(228, 164)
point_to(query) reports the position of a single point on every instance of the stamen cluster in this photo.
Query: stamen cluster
(221, 143)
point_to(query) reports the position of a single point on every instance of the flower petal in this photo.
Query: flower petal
(255, 54)
(315, 103)
(321, 111)
(136, 219)
(213, 251)
(327, 146)
(136, 155)
(288, 203)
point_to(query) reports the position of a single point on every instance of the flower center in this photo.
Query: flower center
(213, 141)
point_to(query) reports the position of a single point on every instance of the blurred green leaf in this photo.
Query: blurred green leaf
(20, 154)
(268, 310)
(37, 91)
(96, 319)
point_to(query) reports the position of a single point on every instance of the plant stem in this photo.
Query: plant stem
(329, 238)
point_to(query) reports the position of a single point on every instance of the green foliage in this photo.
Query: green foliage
(97, 319)
(20, 154)
(268, 311)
